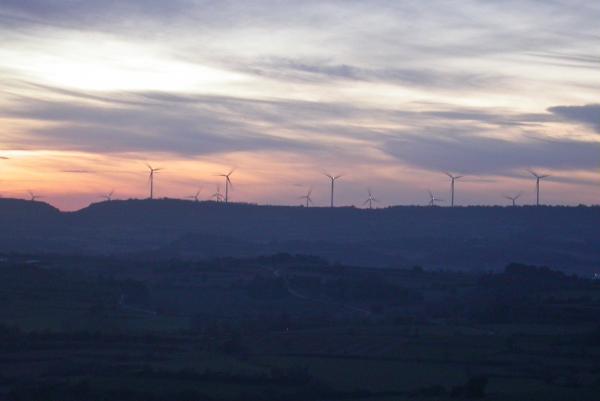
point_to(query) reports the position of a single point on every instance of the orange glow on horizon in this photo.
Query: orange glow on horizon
(72, 180)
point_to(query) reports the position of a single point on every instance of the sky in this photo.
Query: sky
(391, 94)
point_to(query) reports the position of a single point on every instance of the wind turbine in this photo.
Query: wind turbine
(217, 195)
(333, 178)
(227, 183)
(453, 178)
(108, 196)
(151, 178)
(370, 199)
(513, 198)
(33, 197)
(307, 197)
(538, 177)
(433, 199)
(195, 196)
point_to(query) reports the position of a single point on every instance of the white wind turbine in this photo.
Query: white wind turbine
(228, 183)
(333, 179)
(370, 200)
(151, 178)
(108, 197)
(33, 197)
(453, 178)
(433, 199)
(196, 196)
(538, 177)
(514, 198)
(307, 197)
(217, 196)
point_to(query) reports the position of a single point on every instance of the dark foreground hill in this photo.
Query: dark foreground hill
(461, 237)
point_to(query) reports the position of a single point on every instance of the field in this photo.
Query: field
(292, 328)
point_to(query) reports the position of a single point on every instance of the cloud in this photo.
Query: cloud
(160, 123)
(465, 151)
(88, 12)
(370, 28)
(77, 171)
(588, 114)
(439, 137)
(568, 60)
(307, 71)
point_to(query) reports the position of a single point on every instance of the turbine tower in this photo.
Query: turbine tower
(333, 179)
(108, 196)
(196, 196)
(307, 197)
(433, 199)
(513, 198)
(227, 183)
(453, 178)
(538, 177)
(370, 199)
(151, 179)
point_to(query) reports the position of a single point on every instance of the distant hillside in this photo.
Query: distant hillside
(21, 211)
(344, 223)
(461, 237)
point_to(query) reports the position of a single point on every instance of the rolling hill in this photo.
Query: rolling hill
(459, 238)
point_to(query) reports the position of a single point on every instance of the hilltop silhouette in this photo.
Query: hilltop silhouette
(461, 237)
(18, 210)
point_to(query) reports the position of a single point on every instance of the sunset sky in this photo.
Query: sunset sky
(389, 93)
